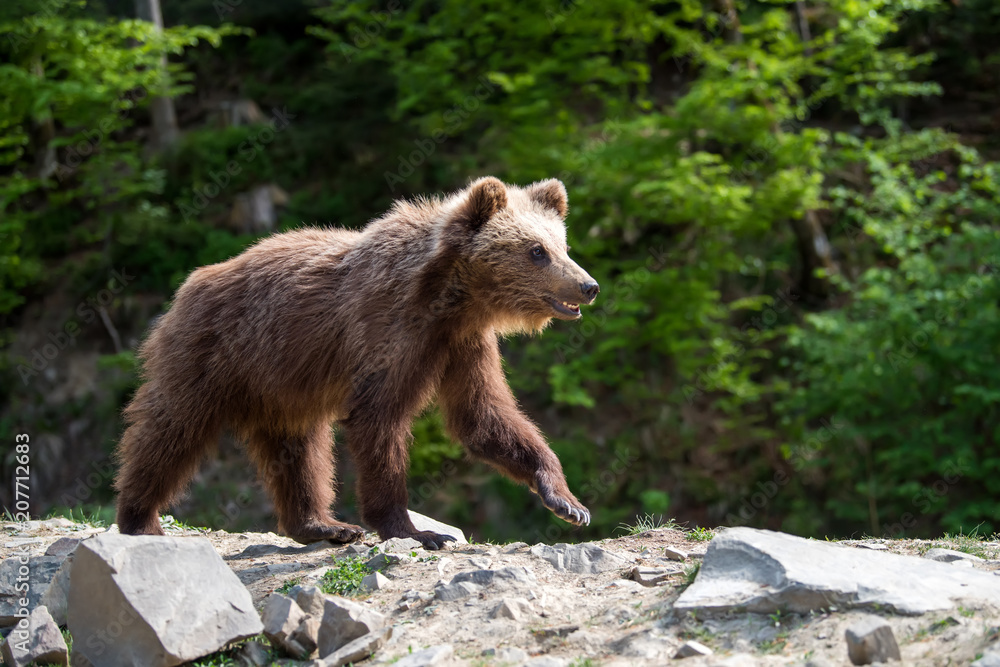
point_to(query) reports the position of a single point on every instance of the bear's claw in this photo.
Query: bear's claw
(579, 516)
(432, 541)
(565, 508)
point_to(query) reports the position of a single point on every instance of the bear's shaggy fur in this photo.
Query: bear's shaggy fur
(362, 328)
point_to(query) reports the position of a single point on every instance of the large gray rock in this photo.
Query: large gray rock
(583, 558)
(20, 578)
(35, 640)
(154, 601)
(421, 522)
(763, 571)
(344, 621)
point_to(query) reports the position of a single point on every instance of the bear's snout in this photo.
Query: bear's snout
(590, 289)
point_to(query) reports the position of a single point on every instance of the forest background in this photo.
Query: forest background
(792, 208)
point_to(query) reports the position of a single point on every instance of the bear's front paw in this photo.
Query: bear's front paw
(562, 503)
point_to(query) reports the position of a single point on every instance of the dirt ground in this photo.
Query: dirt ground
(581, 619)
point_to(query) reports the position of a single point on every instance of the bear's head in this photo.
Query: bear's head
(515, 253)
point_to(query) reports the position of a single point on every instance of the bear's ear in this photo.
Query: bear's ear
(485, 197)
(551, 194)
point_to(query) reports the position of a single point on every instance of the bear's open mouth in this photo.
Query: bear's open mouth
(569, 310)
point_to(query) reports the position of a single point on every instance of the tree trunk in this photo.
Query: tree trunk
(816, 253)
(730, 21)
(43, 131)
(165, 131)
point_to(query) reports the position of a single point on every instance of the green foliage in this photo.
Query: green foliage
(230, 656)
(645, 524)
(87, 76)
(286, 587)
(345, 577)
(435, 448)
(915, 339)
(701, 534)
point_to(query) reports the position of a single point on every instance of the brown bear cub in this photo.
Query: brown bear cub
(362, 328)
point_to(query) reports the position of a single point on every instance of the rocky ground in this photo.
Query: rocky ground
(757, 598)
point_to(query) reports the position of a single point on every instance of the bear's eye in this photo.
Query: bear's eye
(537, 253)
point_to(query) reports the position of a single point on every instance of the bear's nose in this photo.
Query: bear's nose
(590, 290)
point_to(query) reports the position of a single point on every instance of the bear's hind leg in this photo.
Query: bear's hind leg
(159, 454)
(298, 471)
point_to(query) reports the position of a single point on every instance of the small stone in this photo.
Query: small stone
(651, 576)
(991, 659)
(421, 522)
(950, 556)
(399, 545)
(512, 608)
(480, 563)
(282, 617)
(254, 654)
(344, 621)
(22, 542)
(352, 550)
(64, 546)
(427, 657)
(39, 643)
(456, 591)
(544, 661)
(690, 649)
(381, 561)
(871, 640)
(512, 547)
(558, 631)
(626, 585)
(356, 650)
(412, 599)
(675, 554)
(309, 598)
(376, 581)
(511, 654)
